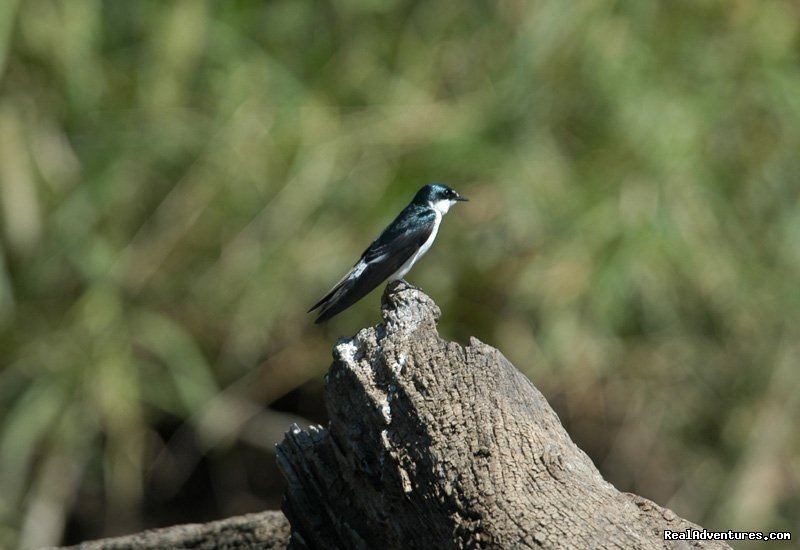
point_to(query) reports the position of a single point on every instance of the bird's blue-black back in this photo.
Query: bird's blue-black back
(393, 247)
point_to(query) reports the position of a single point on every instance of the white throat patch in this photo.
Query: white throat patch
(442, 206)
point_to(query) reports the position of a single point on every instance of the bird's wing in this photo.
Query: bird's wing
(398, 242)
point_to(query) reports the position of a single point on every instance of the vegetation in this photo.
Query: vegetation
(180, 181)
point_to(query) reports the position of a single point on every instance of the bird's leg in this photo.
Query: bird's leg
(398, 282)
(393, 284)
(409, 285)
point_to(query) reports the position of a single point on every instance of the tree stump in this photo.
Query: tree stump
(435, 445)
(432, 445)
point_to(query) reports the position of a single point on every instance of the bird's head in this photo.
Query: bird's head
(438, 196)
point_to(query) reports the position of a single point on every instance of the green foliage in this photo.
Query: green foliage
(180, 181)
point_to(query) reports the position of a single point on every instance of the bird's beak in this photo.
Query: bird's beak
(462, 198)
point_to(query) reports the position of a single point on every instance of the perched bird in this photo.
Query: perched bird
(394, 252)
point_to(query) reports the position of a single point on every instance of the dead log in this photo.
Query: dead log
(436, 445)
(432, 445)
(265, 531)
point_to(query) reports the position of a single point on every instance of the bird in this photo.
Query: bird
(394, 252)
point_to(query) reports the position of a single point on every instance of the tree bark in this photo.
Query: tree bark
(435, 445)
(266, 531)
(432, 445)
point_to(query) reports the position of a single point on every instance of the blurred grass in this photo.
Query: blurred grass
(179, 182)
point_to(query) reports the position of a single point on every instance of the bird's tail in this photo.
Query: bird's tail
(332, 303)
(355, 285)
(336, 300)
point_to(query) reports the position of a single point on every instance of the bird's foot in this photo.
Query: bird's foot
(409, 285)
(400, 284)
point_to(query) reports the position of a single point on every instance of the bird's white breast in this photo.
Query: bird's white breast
(400, 273)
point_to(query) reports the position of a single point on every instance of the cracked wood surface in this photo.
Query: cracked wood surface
(265, 531)
(431, 445)
(435, 445)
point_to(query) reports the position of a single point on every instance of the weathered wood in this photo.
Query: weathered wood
(266, 531)
(435, 445)
(432, 445)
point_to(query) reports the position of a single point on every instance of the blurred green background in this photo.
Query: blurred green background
(180, 181)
